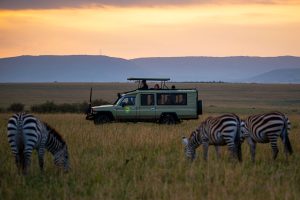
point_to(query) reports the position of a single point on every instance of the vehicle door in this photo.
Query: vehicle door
(126, 108)
(147, 108)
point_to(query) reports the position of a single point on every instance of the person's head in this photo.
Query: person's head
(156, 86)
(144, 82)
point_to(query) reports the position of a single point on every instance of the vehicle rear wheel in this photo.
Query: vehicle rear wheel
(167, 119)
(102, 119)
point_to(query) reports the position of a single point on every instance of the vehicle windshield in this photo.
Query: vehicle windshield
(117, 101)
(128, 101)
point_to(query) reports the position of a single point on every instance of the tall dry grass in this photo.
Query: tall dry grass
(146, 161)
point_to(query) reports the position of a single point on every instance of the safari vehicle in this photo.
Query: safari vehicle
(164, 105)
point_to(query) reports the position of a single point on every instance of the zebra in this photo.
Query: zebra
(266, 128)
(25, 133)
(218, 131)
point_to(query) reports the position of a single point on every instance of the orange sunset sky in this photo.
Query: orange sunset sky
(131, 29)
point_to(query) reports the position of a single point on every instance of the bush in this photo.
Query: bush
(99, 102)
(48, 107)
(16, 107)
(51, 107)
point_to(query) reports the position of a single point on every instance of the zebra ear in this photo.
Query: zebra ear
(185, 141)
(242, 123)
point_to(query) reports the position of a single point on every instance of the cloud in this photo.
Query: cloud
(53, 4)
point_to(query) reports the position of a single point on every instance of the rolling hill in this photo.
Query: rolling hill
(86, 68)
(66, 69)
(228, 69)
(278, 76)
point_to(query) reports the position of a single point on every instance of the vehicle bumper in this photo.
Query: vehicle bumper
(90, 116)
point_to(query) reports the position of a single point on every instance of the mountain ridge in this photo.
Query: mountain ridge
(279, 75)
(99, 68)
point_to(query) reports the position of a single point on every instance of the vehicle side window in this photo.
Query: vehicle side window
(172, 99)
(128, 101)
(147, 99)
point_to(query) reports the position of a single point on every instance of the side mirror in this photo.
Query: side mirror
(123, 104)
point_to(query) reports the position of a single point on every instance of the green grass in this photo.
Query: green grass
(146, 160)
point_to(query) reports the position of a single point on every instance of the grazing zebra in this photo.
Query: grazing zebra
(218, 131)
(266, 128)
(25, 133)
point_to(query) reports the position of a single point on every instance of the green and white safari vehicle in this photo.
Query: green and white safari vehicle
(164, 105)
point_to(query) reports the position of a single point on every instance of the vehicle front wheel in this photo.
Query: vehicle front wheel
(167, 119)
(102, 119)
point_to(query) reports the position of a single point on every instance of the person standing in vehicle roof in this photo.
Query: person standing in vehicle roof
(144, 85)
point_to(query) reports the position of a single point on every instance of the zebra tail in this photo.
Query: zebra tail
(20, 147)
(286, 140)
(237, 141)
(22, 158)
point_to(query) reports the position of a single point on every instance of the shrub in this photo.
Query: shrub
(68, 108)
(51, 107)
(99, 102)
(16, 107)
(48, 107)
(2, 110)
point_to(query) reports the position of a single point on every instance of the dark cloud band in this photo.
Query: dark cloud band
(51, 4)
(45, 4)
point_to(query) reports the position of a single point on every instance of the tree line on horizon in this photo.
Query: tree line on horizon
(52, 107)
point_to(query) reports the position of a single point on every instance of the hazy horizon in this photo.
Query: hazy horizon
(183, 56)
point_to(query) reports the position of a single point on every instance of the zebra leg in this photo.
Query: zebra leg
(18, 162)
(41, 154)
(26, 165)
(232, 148)
(287, 147)
(205, 150)
(252, 145)
(217, 151)
(286, 142)
(27, 161)
(275, 150)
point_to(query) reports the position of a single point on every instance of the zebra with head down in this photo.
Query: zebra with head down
(217, 131)
(267, 128)
(25, 133)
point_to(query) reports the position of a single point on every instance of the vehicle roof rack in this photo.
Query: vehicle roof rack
(162, 85)
(148, 79)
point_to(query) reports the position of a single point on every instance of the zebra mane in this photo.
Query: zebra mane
(193, 134)
(54, 133)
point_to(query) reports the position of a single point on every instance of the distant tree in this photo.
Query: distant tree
(16, 107)
(48, 107)
(51, 107)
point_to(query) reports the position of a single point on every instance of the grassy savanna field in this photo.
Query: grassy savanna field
(145, 160)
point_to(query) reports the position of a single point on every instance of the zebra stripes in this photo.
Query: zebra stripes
(218, 131)
(266, 128)
(25, 133)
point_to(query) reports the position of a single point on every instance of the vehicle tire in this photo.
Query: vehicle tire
(102, 119)
(168, 119)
